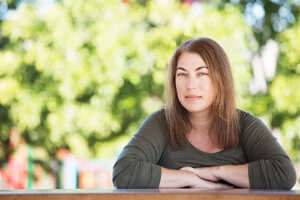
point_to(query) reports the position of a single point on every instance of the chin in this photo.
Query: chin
(197, 109)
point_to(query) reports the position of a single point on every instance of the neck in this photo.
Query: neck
(200, 122)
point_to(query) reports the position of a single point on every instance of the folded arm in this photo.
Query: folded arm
(234, 174)
(268, 167)
(183, 178)
(136, 166)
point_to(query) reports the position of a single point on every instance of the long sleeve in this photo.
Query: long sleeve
(136, 166)
(269, 165)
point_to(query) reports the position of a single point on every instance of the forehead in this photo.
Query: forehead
(189, 60)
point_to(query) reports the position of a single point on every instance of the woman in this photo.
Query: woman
(200, 139)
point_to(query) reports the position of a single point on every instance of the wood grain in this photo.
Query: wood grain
(162, 194)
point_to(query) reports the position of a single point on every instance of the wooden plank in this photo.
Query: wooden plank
(163, 194)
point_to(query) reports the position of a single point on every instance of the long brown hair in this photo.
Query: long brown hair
(224, 128)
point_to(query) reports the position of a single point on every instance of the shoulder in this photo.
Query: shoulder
(158, 115)
(155, 123)
(245, 116)
(247, 120)
(156, 119)
(251, 127)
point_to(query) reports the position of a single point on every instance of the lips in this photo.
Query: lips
(192, 97)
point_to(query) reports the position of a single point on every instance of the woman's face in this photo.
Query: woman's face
(193, 84)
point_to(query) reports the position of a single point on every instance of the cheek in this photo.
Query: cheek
(208, 88)
(177, 85)
(179, 89)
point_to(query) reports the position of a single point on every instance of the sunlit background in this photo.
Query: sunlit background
(78, 77)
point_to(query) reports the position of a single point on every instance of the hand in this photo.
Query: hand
(198, 182)
(171, 178)
(233, 174)
(207, 173)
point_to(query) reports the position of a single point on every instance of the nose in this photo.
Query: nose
(191, 82)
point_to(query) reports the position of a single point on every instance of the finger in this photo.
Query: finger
(205, 173)
(206, 177)
(187, 168)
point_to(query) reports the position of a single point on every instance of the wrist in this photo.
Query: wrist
(190, 178)
(218, 171)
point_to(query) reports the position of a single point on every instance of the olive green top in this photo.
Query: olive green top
(138, 166)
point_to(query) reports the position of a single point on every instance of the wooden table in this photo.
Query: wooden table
(151, 194)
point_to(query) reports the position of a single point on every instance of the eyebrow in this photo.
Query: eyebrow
(198, 68)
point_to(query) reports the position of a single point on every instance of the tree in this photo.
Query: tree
(83, 75)
(279, 104)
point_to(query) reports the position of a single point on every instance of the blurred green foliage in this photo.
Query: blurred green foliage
(83, 75)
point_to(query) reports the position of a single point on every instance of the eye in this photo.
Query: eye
(180, 74)
(202, 74)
